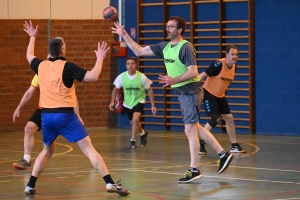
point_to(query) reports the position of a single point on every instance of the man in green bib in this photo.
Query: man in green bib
(180, 60)
(134, 84)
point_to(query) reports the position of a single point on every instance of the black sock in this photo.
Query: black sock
(222, 154)
(108, 179)
(234, 144)
(32, 181)
(202, 142)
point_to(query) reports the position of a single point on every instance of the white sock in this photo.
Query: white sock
(132, 139)
(27, 157)
(143, 133)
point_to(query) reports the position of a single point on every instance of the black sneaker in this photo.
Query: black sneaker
(224, 162)
(202, 148)
(116, 188)
(132, 144)
(236, 148)
(144, 138)
(190, 176)
(30, 190)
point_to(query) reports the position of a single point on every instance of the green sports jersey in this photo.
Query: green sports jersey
(133, 89)
(173, 64)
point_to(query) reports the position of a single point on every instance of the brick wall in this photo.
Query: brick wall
(81, 37)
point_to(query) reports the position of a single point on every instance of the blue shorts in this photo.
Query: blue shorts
(64, 124)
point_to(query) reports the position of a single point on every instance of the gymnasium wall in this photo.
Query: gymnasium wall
(277, 50)
(52, 9)
(277, 53)
(81, 37)
(130, 21)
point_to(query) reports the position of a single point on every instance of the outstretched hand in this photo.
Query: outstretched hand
(118, 29)
(101, 51)
(32, 32)
(167, 80)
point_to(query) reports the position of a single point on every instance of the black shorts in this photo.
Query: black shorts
(137, 108)
(215, 105)
(37, 118)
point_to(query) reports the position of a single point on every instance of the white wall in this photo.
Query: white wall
(52, 9)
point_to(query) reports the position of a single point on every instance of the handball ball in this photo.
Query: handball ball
(110, 13)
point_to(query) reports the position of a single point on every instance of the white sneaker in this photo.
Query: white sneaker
(30, 191)
(237, 149)
(116, 188)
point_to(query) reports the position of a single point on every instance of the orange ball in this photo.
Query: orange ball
(110, 13)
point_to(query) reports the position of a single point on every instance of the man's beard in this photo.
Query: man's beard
(172, 36)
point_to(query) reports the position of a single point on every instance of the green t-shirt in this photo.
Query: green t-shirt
(173, 64)
(133, 89)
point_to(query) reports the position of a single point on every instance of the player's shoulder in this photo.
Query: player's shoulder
(187, 44)
(218, 63)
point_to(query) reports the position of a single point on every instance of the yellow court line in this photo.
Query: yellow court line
(252, 153)
(56, 154)
(68, 151)
(243, 155)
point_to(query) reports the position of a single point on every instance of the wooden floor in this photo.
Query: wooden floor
(269, 170)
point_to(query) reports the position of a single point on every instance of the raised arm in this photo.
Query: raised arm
(93, 75)
(25, 99)
(137, 49)
(32, 32)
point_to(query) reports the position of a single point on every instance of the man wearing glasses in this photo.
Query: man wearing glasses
(180, 60)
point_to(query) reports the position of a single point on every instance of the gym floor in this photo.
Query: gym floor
(269, 170)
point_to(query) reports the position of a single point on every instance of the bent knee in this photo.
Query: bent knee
(135, 120)
(30, 128)
(228, 118)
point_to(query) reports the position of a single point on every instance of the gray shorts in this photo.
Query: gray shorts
(190, 107)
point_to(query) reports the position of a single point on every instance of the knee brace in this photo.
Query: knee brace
(214, 119)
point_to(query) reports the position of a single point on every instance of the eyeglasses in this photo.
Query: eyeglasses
(170, 27)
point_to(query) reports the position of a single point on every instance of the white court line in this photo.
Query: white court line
(231, 178)
(258, 168)
(110, 158)
(238, 167)
(169, 135)
(219, 138)
(152, 161)
(157, 172)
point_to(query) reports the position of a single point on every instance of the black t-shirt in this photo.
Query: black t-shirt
(71, 71)
(215, 68)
